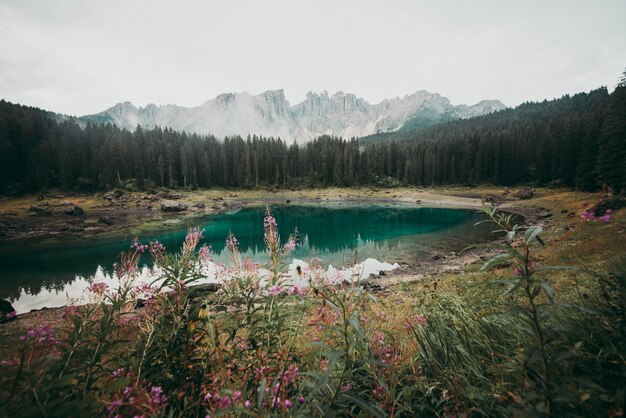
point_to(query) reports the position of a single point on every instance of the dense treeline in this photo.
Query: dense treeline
(577, 141)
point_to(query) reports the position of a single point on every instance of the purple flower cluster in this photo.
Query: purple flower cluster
(269, 221)
(289, 246)
(119, 372)
(138, 402)
(138, 246)
(193, 238)
(113, 406)
(275, 290)
(589, 216)
(382, 349)
(232, 244)
(42, 335)
(205, 253)
(298, 290)
(157, 397)
(157, 249)
(98, 288)
(420, 320)
(290, 375)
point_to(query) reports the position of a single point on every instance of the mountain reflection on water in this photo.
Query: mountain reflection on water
(385, 232)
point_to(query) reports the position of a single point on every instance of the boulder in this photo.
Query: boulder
(173, 206)
(74, 210)
(524, 193)
(492, 199)
(7, 312)
(40, 210)
(106, 220)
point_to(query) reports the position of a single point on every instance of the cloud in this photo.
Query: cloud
(82, 57)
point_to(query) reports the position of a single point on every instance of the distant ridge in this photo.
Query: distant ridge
(271, 114)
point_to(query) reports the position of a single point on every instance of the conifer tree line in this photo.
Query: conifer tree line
(577, 141)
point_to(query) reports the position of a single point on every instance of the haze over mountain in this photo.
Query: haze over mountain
(271, 114)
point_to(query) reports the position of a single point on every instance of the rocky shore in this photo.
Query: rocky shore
(62, 214)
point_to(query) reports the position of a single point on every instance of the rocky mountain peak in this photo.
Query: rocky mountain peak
(271, 114)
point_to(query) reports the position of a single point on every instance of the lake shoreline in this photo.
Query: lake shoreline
(58, 215)
(557, 210)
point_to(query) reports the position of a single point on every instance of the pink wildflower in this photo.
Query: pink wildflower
(192, 239)
(114, 406)
(421, 320)
(98, 288)
(42, 335)
(269, 220)
(275, 290)
(128, 391)
(138, 246)
(224, 402)
(297, 291)
(118, 372)
(247, 404)
(205, 253)
(157, 397)
(157, 249)
(232, 244)
(290, 375)
(249, 265)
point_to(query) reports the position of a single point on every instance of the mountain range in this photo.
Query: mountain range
(271, 114)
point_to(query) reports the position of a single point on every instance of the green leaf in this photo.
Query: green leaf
(513, 287)
(547, 289)
(261, 394)
(497, 260)
(370, 409)
(118, 384)
(567, 355)
(531, 233)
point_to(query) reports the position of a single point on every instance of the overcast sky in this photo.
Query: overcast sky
(80, 57)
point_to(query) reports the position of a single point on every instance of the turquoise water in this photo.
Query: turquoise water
(385, 232)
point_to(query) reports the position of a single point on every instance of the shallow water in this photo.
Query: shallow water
(45, 272)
